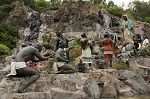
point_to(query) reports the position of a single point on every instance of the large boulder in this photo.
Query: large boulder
(75, 17)
(135, 81)
(19, 16)
(56, 86)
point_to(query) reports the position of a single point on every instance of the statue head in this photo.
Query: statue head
(125, 17)
(59, 34)
(83, 35)
(106, 35)
(38, 46)
(62, 44)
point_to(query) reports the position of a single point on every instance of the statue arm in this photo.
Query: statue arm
(56, 45)
(71, 39)
(59, 58)
(39, 57)
(132, 25)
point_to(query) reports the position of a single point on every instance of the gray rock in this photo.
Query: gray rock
(30, 95)
(135, 81)
(58, 93)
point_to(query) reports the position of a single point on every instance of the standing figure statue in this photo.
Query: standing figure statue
(66, 41)
(145, 43)
(127, 29)
(86, 51)
(61, 66)
(107, 45)
(19, 67)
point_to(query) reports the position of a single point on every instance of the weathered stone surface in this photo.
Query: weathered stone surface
(30, 95)
(19, 17)
(69, 83)
(126, 91)
(135, 81)
(58, 93)
(76, 82)
(111, 87)
(142, 28)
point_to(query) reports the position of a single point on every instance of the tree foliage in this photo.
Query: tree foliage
(140, 10)
(8, 36)
(110, 4)
(115, 10)
(4, 50)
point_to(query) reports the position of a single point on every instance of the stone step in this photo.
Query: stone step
(29, 95)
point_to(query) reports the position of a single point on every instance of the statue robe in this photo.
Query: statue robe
(107, 44)
(127, 27)
(86, 51)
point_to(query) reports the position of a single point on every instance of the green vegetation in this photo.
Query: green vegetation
(4, 50)
(67, 1)
(115, 10)
(120, 65)
(145, 51)
(8, 36)
(76, 51)
(140, 10)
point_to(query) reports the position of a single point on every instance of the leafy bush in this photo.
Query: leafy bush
(4, 50)
(5, 9)
(75, 52)
(9, 36)
(67, 1)
(120, 65)
(115, 10)
(145, 51)
(102, 5)
(48, 46)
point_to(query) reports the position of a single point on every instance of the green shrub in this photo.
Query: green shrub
(145, 51)
(67, 1)
(120, 65)
(4, 50)
(115, 10)
(9, 36)
(47, 45)
(75, 52)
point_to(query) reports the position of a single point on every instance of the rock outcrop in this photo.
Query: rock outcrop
(135, 81)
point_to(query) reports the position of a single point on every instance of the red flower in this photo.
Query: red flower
(80, 60)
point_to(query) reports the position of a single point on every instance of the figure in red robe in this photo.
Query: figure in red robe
(108, 52)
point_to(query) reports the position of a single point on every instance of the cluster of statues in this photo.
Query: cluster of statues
(61, 65)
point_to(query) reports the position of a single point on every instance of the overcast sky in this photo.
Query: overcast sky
(119, 2)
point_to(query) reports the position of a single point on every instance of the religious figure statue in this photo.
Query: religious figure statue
(61, 66)
(86, 51)
(107, 48)
(20, 68)
(66, 41)
(145, 43)
(127, 29)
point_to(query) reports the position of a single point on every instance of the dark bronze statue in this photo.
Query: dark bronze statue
(24, 55)
(66, 41)
(61, 61)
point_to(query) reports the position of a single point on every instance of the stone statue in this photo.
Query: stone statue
(35, 23)
(66, 41)
(61, 66)
(101, 18)
(19, 67)
(127, 29)
(86, 50)
(108, 52)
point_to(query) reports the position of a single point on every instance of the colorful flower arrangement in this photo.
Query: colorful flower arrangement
(96, 75)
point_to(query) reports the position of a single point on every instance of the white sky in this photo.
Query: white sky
(126, 2)
(119, 2)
